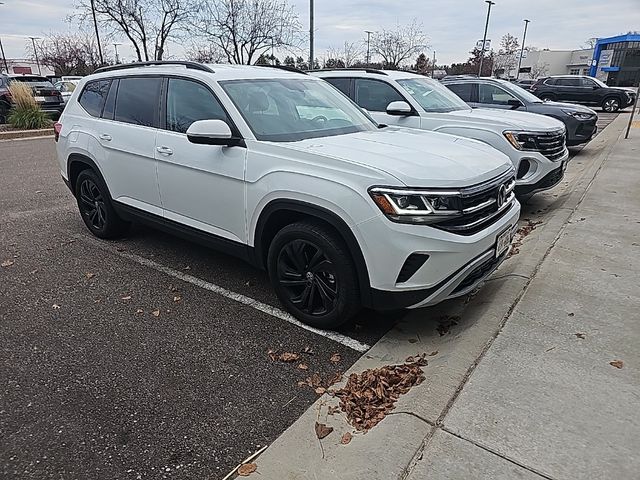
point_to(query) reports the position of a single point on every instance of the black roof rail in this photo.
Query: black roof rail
(288, 68)
(124, 66)
(350, 69)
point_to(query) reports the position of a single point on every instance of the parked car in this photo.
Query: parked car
(525, 83)
(47, 97)
(579, 121)
(535, 144)
(5, 98)
(66, 88)
(582, 89)
(281, 169)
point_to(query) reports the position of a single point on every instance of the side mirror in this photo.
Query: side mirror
(399, 108)
(212, 132)
(514, 103)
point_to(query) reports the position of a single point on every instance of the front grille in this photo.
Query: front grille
(482, 205)
(478, 273)
(551, 145)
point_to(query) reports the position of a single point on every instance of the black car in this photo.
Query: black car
(582, 89)
(46, 95)
(525, 83)
(494, 93)
(5, 98)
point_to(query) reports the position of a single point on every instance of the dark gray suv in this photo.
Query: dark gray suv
(495, 93)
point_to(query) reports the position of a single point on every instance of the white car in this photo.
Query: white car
(66, 87)
(282, 170)
(535, 144)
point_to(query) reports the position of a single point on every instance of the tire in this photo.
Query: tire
(96, 210)
(546, 97)
(610, 104)
(321, 286)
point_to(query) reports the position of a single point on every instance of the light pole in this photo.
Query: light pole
(311, 54)
(35, 52)
(95, 26)
(4, 59)
(484, 39)
(115, 46)
(433, 65)
(524, 37)
(368, 46)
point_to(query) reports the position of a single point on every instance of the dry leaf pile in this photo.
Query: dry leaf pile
(521, 233)
(247, 469)
(369, 396)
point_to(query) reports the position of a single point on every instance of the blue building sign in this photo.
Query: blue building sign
(616, 60)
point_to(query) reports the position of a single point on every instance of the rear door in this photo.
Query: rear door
(569, 89)
(202, 186)
(375, 95)
(127, 136)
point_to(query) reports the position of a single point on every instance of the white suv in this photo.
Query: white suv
(284, 171)
(535, 144)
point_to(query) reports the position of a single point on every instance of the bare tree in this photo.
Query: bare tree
(539, 70)
(206, 53)
(245, 29)
(589, 43)
(70, 54)
(147, 24)
(507, 57)
(398, 45)
(349, 53)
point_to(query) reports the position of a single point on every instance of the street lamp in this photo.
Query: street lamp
(35, 52)
(484, 39)
(4, 59)
(95, 26)
(115, 45)
(524, 37)
(368, 44)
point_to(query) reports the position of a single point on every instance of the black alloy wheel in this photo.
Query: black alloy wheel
(92, 205)
(308, 277)
(611, 104)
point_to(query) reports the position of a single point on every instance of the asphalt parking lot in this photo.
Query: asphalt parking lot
(145, 357)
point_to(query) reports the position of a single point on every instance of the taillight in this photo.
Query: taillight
(57, 128)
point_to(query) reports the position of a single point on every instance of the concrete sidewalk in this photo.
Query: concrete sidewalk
(522, 385)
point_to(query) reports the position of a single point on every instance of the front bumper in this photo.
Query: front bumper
(550, 180)
(580, 131)
(540, 170)
(456, 263)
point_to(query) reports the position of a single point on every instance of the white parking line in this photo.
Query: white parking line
(238, 297)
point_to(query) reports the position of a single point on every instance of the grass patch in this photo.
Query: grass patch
(25, 112)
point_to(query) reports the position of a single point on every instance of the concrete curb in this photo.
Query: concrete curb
(393, 448)
(13, 134)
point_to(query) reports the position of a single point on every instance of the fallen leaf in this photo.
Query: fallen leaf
(128, 297)
(172, 288)
(434, 353)
(156, 313)
(97, 300)
(177, 298)
(322, 430)
(247, 469)
(580, 335)
(90, 275)
(307, 350)
(303, 366)
(333, 410)
(570, 314)
(617, 363)
(346, 438)
(7, 263)
(139, 311)
(337, 377)
(288, 357)
(320, 390)
(335, 358)
(55, 306)
(413, 340)
(187, 268)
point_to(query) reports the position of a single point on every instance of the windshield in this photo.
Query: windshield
(518, 91)
(289, 110)
(433, 96)
(599, 82)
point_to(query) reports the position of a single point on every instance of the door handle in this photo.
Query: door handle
(164, 150)
(105, 137)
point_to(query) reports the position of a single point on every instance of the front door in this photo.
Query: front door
(569, 89)
(494, 96)
(375, 95)
(201, 186)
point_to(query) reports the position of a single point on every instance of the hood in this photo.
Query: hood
(546, 106)
(630, 90)
(509, 119)
(416, 158)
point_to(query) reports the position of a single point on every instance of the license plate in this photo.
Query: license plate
(40, 99)
(503, 242)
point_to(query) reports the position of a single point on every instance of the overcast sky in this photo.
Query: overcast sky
(453, 26)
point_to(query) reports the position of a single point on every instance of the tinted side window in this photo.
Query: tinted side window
(94, 95)
(341, 84)
(463, 90)
(138, 100)
(588, 83)
(568, 82)
(110, 104)
(188, 102)
(375, 95)
(493, 95)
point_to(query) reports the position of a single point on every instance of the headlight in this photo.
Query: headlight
(522, 140)
(578, 115)
(416, 206)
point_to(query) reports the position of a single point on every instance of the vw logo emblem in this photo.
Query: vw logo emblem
(502, 196)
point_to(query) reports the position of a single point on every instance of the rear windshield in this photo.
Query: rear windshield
(31, 79)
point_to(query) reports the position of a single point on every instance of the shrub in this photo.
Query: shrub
(25, 112)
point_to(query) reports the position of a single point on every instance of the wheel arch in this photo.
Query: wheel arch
(76, 163)
(279, 213)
